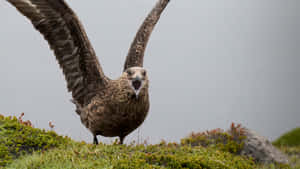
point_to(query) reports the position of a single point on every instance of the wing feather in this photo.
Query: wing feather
(136, 52)
(67, 38)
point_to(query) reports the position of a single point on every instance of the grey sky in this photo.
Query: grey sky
(210, 63)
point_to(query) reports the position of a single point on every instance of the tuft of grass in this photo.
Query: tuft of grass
(290, 139)
(229, 141)
(19, 138)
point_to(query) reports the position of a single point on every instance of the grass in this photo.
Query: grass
(18, 137)
(294, 155)
(290, 139)
(289, 143)
(22, 146)
(79, 155)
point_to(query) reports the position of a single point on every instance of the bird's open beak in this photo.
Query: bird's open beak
(137, 84)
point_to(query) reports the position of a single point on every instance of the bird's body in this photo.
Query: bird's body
(115, 110)
(106, 107)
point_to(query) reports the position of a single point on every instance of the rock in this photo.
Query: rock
(261, 149)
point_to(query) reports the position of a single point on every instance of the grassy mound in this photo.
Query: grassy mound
(18, 138)
(81, 155)
(294, 155)
(291, 139)
(228, 141)
(289, 143)
(22, 146)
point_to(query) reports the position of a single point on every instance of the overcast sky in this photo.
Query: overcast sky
(210, 62)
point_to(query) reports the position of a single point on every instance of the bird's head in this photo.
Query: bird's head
(137, 79)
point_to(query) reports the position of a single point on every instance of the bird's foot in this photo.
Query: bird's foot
(121, 140)
(95, 140)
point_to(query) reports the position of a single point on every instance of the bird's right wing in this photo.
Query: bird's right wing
(135, 56)
(67, 38)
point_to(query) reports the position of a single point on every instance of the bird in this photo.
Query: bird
(107, 107)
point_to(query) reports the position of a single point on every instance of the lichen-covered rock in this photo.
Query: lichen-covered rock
(239, 141)
(261, 149)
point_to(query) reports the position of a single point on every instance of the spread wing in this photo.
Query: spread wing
(136, 52)
(67, 38)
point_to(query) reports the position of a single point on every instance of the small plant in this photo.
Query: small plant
(51, 125)
(230, 141)
(26, 123)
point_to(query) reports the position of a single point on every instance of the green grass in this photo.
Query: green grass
(81, 155)
(22, 146)
(289, 143)
(291, 138)
(18, 138)
(294, 155)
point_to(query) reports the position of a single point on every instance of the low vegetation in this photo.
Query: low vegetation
(290, 139)
(229, 141)
(289, 143)
(22, 146)
(18, 137)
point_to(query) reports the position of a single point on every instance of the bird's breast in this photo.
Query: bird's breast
(118, 113)
(131, 114)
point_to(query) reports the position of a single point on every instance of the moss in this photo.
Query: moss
(171, 156)
(291, 138)
(17, 138)
(22, 146)
(229, 141)
(294, 155)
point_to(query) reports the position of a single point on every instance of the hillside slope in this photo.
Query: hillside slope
(22, 146)
(290, 139)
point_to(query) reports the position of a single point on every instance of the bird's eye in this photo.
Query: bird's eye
(130, 73)
(144, 73)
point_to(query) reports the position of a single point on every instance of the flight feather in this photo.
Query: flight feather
(67, 38)
(135, 56)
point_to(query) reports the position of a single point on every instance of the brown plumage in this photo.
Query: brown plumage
(106, 107)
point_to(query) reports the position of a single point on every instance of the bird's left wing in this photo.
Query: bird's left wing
(136, 52)
(67, 38)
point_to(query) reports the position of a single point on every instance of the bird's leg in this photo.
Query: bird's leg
(95, 140)
(121, 139)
